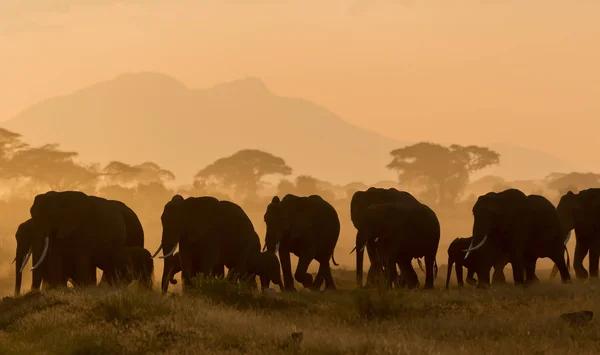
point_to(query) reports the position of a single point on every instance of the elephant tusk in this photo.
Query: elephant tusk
(171, 253)
(157, 251)
(363, 247)
(376, 239)
(46, 243)
(568, 237)
(468, 250)
(25, 260)
(478, 245)
(277, 247)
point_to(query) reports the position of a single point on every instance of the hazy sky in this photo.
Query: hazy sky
(466, 71)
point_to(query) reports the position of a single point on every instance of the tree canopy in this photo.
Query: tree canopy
(124, 174)
(573, 181)
(244, 170)
(50, 167)
(443, 172)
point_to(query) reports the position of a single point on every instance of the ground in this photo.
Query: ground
(221, 319)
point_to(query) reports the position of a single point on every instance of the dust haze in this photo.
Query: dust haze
(140, 100)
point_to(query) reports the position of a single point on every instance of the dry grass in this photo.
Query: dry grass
(225, 320)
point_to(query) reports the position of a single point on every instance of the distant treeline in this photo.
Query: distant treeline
(437, 175)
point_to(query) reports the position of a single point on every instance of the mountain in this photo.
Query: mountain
(147, 116)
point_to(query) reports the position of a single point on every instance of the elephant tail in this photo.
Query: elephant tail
(568, 259)
(333, 260)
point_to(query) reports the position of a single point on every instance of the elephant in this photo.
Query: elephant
(581, 211)
(72, 226)
(456, 258)
(137, 265)
(24, 237)
(308, 227)
(401, 232)
(361, 200)
(209, 233)
(524, 227)
(267, 265)
(172, 266)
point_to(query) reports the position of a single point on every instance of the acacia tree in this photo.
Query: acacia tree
(49, 167)
(443, 171)
(119, 173)
(244, 170)
(572, 181)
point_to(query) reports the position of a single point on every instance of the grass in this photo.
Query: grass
(222, 319)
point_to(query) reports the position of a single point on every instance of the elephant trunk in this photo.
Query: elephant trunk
(449, 272)
(359, 267)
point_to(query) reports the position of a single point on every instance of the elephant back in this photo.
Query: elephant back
(133, 226)
(361, 200)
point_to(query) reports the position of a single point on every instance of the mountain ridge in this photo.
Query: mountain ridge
(149, 116)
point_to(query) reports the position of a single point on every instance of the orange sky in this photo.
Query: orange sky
(465, 71)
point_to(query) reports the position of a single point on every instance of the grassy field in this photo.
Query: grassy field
(221, 319)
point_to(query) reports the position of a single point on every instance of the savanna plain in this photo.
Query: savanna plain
(222, 319)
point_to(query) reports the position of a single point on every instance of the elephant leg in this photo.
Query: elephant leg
(429, 265)
(318, 279)
(219, 271)
(593, 259)
(55, 267)
(498, 277)
(187, 271)
(580, 253)
(471, 277)
(459, 274)
(518, 265)
(286, 269)
(561, 265)
(301, 275)
(210, 261)
(408, 273)
(483, 276)
(83, 267)
(530, 270)
(329, 283)
(375, 272)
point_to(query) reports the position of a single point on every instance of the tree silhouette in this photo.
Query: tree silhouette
(443, 171)
(49, 167)
(244, 170)
(574, 181)
(119, 173)
(10, 144)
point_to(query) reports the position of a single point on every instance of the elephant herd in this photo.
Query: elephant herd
(71, 234)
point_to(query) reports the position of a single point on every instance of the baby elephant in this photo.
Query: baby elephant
(137, 265)
(266, 266)
(172, 267)
(456, 256)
